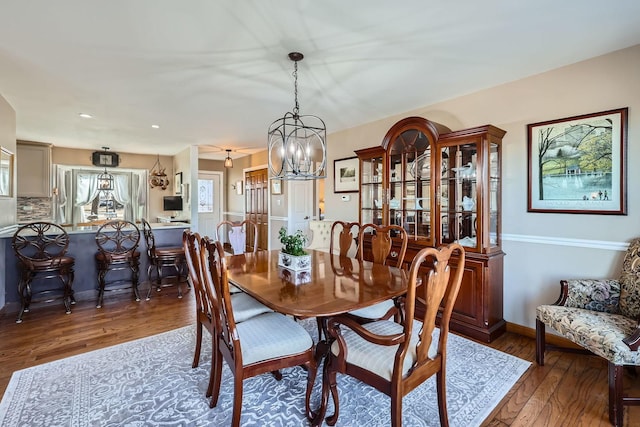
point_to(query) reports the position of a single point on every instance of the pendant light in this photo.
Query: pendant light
(297, 144)
(228, 162)
(105, 179)
(157, 176)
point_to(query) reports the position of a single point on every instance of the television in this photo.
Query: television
(172, 203)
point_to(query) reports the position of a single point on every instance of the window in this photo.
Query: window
(79, 200)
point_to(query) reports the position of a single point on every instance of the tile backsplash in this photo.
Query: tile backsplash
(33, 209)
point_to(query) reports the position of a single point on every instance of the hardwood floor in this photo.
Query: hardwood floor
(569, 390)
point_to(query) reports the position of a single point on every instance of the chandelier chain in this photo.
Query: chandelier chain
(296, 108)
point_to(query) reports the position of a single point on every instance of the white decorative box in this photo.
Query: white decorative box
(293, 262)
(294, 277)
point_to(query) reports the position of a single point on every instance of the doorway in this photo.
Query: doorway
(210, 202)
(256, 209)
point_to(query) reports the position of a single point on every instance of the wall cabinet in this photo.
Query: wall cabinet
(443, 187)
(33, 162)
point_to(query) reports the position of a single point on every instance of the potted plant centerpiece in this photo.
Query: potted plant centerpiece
(292, 255)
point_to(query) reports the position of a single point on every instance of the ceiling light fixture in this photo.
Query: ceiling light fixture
(85, 115)
(297, 144)
(228, 162)
(157, 176)
(105, 180)
(155, 126)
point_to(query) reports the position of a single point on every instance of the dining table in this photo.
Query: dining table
(333, 285)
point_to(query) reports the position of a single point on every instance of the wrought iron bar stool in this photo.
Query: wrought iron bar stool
(41, 249)
(117, 251)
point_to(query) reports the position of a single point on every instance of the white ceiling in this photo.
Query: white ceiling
(215, 73)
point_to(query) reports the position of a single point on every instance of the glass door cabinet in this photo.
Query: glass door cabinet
(443, 187)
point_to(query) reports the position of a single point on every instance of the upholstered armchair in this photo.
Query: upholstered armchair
(602, 317)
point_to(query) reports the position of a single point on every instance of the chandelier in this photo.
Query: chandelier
(297, 144)
(157, 177)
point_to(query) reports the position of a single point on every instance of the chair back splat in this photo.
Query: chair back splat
(237, 235)
(41, 249)
(396, 357)
(347, 237)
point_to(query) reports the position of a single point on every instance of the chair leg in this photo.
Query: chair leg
(101, 284)
(441, 387)
(150, 278)
(196, 353)
(312, 370)
(540, 342)
(616, 408)
(237, 400)
(331, 384)
(396, 407)
(216, 376)
(135, 268)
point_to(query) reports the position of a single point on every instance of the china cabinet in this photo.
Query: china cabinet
(443, 187)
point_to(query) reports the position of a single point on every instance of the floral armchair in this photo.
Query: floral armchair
(601, 316)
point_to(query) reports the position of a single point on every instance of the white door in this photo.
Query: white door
(300, 206)
(210, 202)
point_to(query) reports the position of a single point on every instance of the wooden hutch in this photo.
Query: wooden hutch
(443, 187)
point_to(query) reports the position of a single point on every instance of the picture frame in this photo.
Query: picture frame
(239, 187)
(6, 172)
(578, 164)
(346, 175)
(276, 186)
(177, 183)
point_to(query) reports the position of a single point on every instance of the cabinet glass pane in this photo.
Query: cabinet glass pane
(372, 170)
(458, 195)
(494, 192)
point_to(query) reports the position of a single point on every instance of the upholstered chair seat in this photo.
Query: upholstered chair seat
(377, 311)
(245, 307)
(601, 316)
(270, 336)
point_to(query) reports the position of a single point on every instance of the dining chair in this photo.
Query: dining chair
(347, 235)
(163, 260)
(41, 249)
(117, 243)
(395, 358)
(265, 343)
(244, 307)
(237, 235)
(382, 252)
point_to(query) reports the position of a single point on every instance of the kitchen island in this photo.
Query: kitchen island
(82, 247)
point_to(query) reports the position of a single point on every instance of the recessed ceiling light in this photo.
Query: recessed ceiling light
(85, 116)
(155, 126)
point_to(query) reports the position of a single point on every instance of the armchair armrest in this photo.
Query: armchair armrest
(334, 330)
(591, 294)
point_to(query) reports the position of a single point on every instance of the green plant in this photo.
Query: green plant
(293, 244)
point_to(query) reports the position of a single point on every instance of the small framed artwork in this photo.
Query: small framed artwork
(276, 186)
(578, 164)
(177, 184)
(346, 175)
(239, 187)
(6, 173)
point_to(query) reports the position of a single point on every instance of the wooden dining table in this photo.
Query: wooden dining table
(334, 285)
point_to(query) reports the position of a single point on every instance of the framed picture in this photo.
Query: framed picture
(276, 186)
(177, 184)
(346, 175)
(578, 164)
(239, 187)
(6, 173)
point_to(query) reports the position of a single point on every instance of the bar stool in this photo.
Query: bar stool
(117, 251)
(163, 258)
(41, 250)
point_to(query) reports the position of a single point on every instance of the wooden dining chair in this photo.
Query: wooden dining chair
(244, 307)
(237, 235)
(382, 252)
(347, 235)
(265, 343)
(395, 358)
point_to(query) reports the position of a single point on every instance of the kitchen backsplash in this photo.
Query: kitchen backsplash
(33, 209)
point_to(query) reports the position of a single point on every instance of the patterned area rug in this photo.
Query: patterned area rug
(150, 382)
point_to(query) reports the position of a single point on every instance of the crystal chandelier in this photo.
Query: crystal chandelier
(297, 144)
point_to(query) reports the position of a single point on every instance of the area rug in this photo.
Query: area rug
(150, 382)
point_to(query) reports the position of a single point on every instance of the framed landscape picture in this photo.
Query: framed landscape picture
(346, 175)
(578, 164)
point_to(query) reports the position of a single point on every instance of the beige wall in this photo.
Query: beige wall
(78, 157)
(540, 248)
